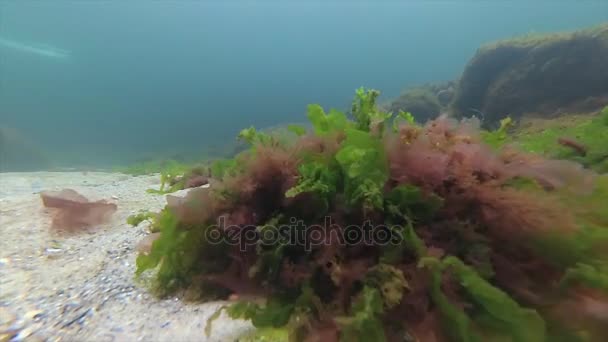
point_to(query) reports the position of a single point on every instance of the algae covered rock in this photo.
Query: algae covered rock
(424, 102)
(540, 74)
(579, 137)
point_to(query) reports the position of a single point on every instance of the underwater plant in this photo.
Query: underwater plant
(356, 232)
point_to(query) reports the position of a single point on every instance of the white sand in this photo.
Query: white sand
(81, 287)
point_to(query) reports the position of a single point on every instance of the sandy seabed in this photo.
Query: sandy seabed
(81, 287)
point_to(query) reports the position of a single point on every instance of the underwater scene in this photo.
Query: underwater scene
(315, 171)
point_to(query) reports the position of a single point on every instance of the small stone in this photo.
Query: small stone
(52, 253)
(34, 314)
(114, 197)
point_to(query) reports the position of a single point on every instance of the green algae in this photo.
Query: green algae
(135, 219)
(590, 131)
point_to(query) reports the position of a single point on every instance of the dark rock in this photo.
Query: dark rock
(536, 74)
(445, 96)
(424, 102)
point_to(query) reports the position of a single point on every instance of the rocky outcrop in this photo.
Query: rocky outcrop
(543, 74)
(424, 102)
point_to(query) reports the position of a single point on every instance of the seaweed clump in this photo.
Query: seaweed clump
(360, 230)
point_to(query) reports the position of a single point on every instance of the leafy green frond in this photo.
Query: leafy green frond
(497, 315)
(175, 253)
(275, 313)
(409, 203)
(408, 242)
(402, 116)
(365, 169)
(455, 321)
(498, 138)
(365, 112)
(364, 323)
(407, 116)
(594, 276)
(164, 245)
(252, 136)
(297, 130)
(318, 177)
(364, 107)
(334, 121)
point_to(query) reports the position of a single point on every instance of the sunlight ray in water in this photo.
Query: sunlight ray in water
(42, 50)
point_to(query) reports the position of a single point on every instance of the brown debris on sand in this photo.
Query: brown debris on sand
(71, 210)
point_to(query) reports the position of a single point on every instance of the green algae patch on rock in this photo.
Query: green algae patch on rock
(582, 138)
(536, 74)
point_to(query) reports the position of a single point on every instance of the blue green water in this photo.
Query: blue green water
(97, 83)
